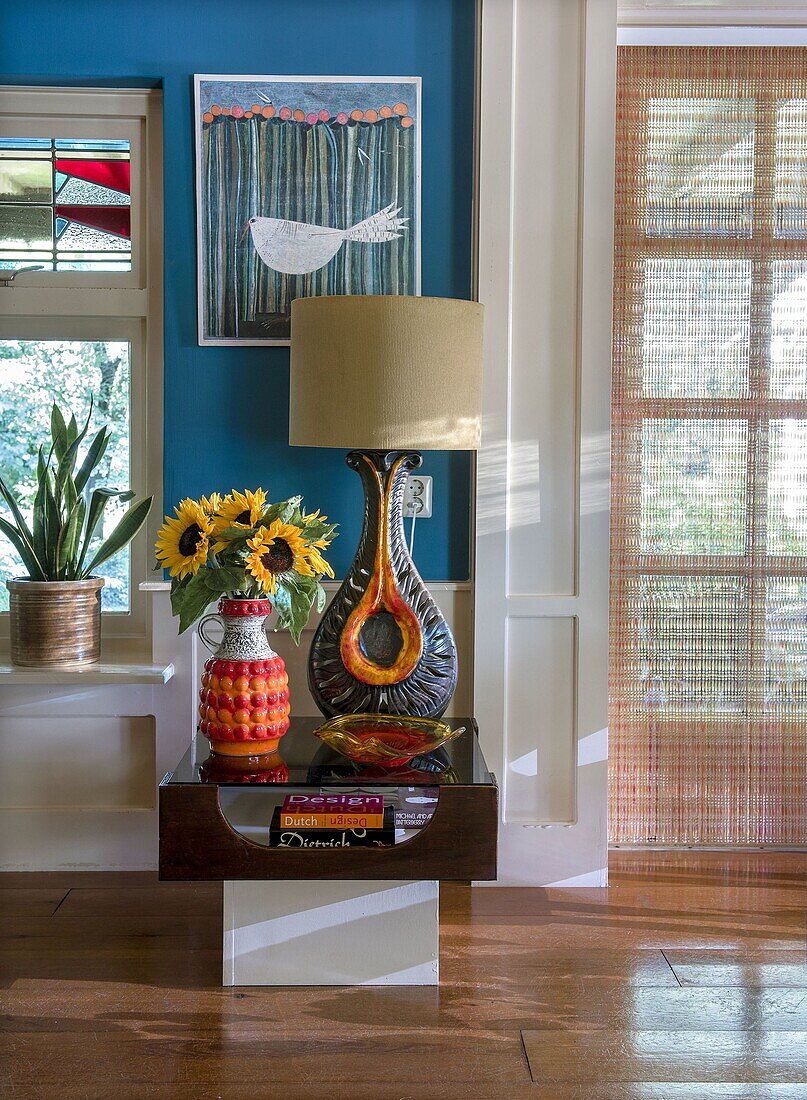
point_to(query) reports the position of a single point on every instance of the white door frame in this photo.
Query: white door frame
(545, 255)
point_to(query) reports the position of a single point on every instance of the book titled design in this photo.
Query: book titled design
(333, 803)
(344, 837)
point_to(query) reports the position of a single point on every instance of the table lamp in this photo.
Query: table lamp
(384, 376)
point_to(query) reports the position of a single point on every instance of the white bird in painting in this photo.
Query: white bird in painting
(295, 248)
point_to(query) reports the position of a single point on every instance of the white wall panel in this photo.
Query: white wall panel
(109, 765)
(542, 451)
(547, 105)
(540, 735)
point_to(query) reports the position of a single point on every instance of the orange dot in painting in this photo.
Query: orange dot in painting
(406, 122)
(324, 115)
(299, 116)
(207, 116)
(255, 108)
(247, 114)
(371, 115)
(386, 112)
(357, 115)
(268, 111)
(401, 109)
(285, 113)
(215, 109)
(225, 110)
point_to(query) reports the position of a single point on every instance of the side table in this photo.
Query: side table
(336, 916)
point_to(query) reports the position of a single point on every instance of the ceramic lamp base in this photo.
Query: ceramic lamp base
(383, 646)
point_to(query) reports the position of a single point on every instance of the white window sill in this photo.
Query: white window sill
(107, 672)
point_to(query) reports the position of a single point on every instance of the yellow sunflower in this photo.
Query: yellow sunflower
(237, 510)
(316, 560)
(276, 550)
(322, 543)
(182, 543)
(211, 504)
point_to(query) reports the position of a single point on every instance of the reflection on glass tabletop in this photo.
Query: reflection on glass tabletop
(302, 759)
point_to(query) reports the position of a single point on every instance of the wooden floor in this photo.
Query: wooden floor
(686, 978)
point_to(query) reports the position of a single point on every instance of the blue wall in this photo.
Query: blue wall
(226, 409)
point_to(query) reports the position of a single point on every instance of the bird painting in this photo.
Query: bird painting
(297, 248)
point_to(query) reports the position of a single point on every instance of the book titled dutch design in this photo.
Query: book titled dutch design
(332, 811)
(344, 837)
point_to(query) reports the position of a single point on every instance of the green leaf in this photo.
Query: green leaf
(58, 431)
(124, 532)
(22, 527)
(236, 534)
(281, 601)
(224, 579)
(38, 524)
(93, 456)
(95, 513)
(68, 460)
(321, 597)
(68, 538)
(29, 560)
(292, 506)
(177, 594)
(196, 598)
(53, 524)
(294, 602)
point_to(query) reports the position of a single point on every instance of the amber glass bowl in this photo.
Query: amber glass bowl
(387, 739)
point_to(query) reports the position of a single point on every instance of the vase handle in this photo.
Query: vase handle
(211, 645)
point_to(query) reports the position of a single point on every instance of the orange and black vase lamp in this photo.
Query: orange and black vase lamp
(383, 646)
(384, 376)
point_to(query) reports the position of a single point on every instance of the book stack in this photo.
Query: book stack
(332, 821)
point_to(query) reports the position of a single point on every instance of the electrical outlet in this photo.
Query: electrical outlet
(418, 497)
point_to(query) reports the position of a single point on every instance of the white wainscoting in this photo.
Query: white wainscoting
(80, 763)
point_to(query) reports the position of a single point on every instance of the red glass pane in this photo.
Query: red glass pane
(109, 173)
(112, 219)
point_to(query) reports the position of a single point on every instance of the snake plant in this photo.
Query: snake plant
(67, 520)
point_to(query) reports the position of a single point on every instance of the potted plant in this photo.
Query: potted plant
(249, 554)
(55, 610)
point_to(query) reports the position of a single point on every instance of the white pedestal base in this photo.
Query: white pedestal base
(331, 933)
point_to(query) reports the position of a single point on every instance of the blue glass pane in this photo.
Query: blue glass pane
(60, 224)
(119, 146)
(27, 143)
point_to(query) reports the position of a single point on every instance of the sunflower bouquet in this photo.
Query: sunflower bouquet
(241, 546)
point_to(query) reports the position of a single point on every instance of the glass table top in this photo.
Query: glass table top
(303, 760)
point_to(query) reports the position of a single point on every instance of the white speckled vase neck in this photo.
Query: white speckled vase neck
(244, 631)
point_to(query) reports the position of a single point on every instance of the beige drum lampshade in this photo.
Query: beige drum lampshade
(386, 372)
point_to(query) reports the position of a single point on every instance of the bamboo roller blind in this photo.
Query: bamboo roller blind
(709, 540)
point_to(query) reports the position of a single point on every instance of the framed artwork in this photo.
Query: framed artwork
(305, 185)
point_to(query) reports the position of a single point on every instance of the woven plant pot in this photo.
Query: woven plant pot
(55, 624)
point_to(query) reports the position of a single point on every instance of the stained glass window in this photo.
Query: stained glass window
(65, 204)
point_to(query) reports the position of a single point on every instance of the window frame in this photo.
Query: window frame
(106, 305)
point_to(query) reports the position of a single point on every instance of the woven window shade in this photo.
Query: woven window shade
(708, 730)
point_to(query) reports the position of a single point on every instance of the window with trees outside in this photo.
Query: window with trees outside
(708, 722)
(80, 322)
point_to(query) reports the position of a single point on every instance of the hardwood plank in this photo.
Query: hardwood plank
(28, 904)
(686, 1056)
(770, 969)
(414, 1056)
(521, 955)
